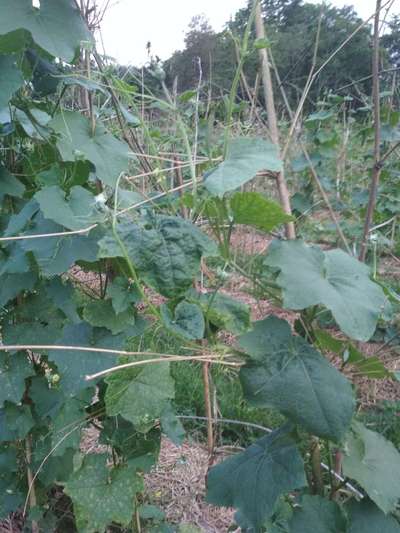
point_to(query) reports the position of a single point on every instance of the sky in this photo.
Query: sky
(130, 24)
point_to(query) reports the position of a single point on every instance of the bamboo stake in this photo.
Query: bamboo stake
(272, 119)
(377, 169)
(31, 483)
(209, 413)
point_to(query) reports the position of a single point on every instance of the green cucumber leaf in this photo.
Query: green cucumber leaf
(102, 495)
(11, 285)
(139, 449)
(140, 394)
(57, 27)
(245, 157)
(222, 311)
(9, 184)
(288, 374)
(309, 276)
(78, 212)
(74, 366)
(122, 294)
(172, 426)
(15, 422)
(11, 76)
(76, 141)
(55, 255)
(374, 463)
(14, 369)
(62, 295)
(253, 480)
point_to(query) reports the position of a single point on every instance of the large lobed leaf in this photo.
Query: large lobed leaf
(374, 463)
(309, 276)
(290, 375)
(140, 394)
(165, 250)
(246, 156)
(14, 369)
(102, 495)
(253, 480)
(78, 212)
(76, 141)
(57, 27)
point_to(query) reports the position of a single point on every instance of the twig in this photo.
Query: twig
(173, 358)
(161, 195)
(325, 198)
(227, 421)
(45, 347)
(47, 235)
(389, 153)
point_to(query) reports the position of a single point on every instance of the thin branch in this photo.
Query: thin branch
(47, 235)
(389, 153)
(325, 198)
(34, 347)
(161, 195)
(227, 421)
(173, 358)
(365, 78)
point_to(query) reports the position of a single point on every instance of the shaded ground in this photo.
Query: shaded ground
(178, 486)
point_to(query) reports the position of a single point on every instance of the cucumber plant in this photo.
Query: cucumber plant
(74, 356)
